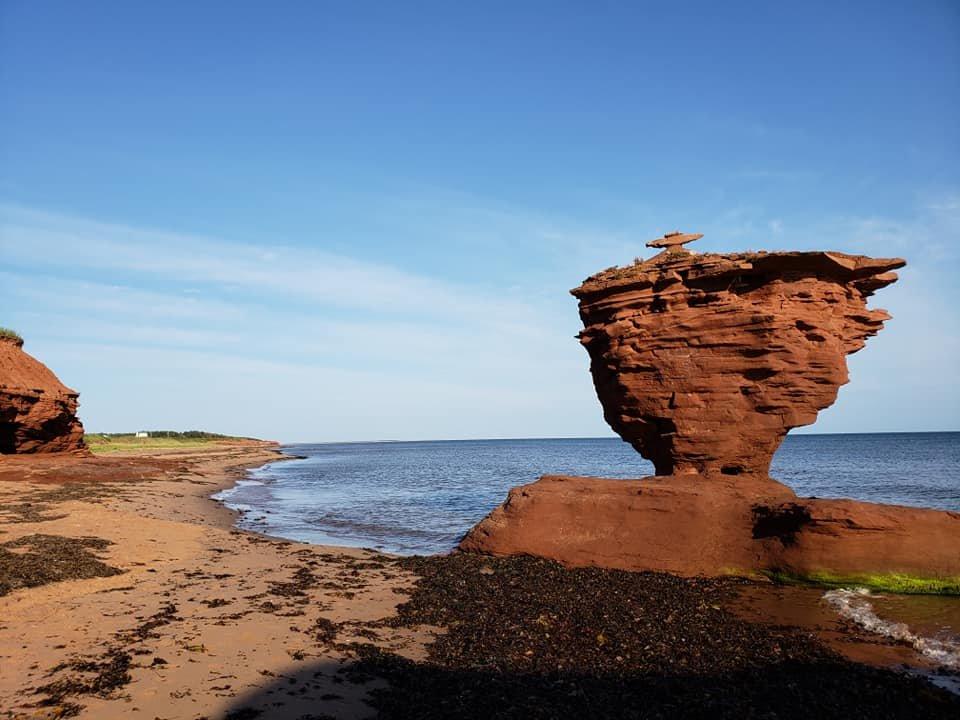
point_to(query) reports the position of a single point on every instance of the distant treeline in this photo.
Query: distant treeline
(191, 434)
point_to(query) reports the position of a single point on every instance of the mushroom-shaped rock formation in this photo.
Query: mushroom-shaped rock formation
(38, 413)
(705, 362)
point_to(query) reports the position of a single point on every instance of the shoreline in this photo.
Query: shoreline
(762, 599)
(179, 614)
(192, 592)
(612, 436)
(230, 481)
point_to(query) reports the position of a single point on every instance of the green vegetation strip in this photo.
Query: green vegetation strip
(884, 582)
(8, 333)
(157, 440)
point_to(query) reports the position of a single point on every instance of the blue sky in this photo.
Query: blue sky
(352, 221)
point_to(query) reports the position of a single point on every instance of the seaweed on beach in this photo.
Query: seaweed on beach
(147, 629)
(50, 558)
(29, 512)
(216, 602)
(99, 677)
(528, 638)
(36, 504)
(325, 630)
(303, 579)
(102, 675)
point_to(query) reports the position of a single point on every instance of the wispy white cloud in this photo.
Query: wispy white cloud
(126, 387)
(159, 328)
(42, 240)
(929, 236)
(113, 300)
(143, 322)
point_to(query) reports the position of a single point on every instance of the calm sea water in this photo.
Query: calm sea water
(421, 497)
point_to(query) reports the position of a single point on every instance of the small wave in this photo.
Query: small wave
(854, 604)
(233, 489)
(373, 529)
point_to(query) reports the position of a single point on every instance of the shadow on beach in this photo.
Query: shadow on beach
(399, 688)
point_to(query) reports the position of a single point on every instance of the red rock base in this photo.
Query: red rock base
(693, 525)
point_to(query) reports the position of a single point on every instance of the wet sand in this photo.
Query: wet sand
(172, 613)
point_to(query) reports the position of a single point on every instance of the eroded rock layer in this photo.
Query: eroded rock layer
(705, 362)
(38, 413)
(741, 525)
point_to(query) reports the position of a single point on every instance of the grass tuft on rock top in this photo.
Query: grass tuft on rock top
(882, 582)
(8, 333)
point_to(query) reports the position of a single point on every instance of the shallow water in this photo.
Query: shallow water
(918, 632)
(926, 623)
(421, 497)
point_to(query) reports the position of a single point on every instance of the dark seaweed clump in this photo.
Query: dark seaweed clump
(527, 638)
(100, 676)
(50, 558)
(104, 674)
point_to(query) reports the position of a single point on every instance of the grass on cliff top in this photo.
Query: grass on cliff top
(8, 333)
(883, 582)
(158, 440)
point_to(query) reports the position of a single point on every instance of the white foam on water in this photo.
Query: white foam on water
(854, 604)
(227, 493)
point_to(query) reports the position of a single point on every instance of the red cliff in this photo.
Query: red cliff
(38, 413)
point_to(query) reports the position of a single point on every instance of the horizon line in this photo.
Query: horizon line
(585, 437)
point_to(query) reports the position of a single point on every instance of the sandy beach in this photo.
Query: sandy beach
(129, 594)
(199, 615)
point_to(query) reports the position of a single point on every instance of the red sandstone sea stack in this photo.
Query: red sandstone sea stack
(703, 363)
(38, 413)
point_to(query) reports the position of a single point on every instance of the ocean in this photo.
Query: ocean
(421, 497)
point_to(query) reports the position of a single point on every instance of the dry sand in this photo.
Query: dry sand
(201, 615)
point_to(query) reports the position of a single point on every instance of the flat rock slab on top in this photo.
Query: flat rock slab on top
(730, 525)
(674, 241)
